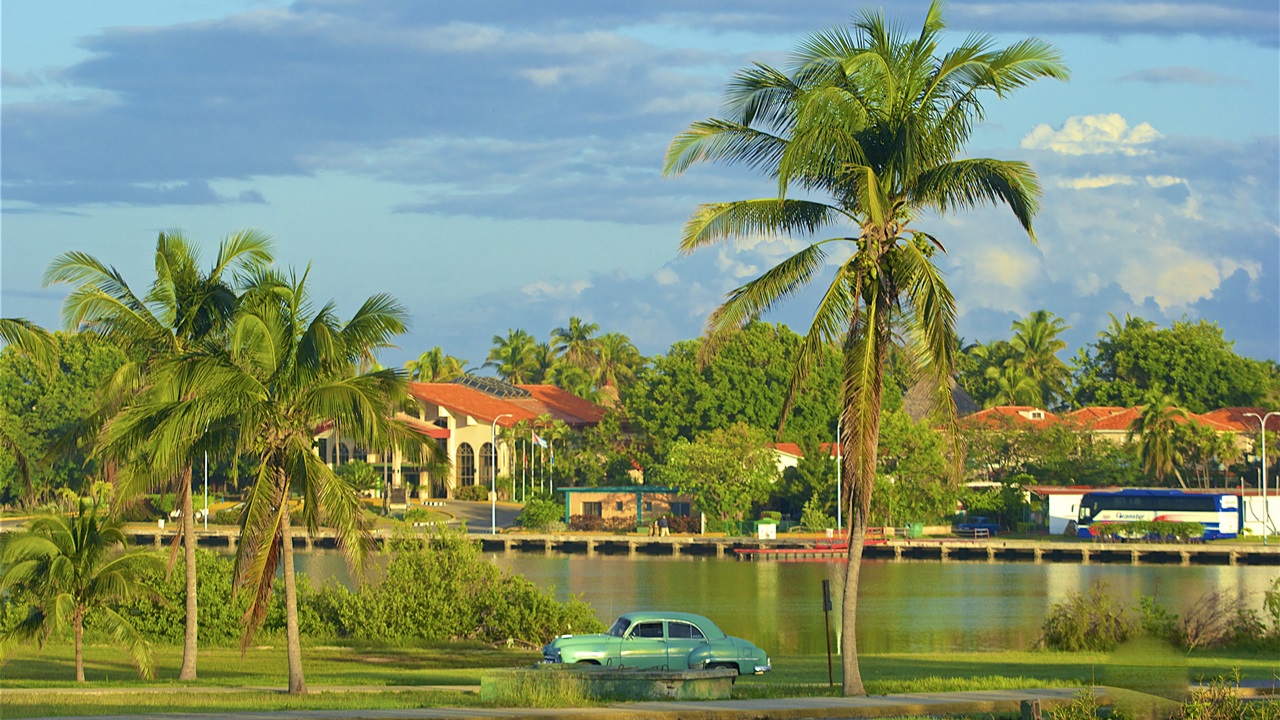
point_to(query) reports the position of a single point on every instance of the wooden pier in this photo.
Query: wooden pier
(807, 549)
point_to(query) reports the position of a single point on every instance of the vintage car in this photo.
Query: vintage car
(660, 640)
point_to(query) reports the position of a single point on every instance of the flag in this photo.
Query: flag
(540, 442)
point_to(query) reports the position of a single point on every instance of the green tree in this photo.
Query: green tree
(1036, 342)
(68, 572)
(186, 310)
(874, 121)
(728, 471)
(287, 370)
(512, 357)
(1204, 449)
(1152, 433)
(434, 366)
(37, 344)
(618, 361)
(1013, 386)
(915, 481)
(577, 343)
(1190, 361)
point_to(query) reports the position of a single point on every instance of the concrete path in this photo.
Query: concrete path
(808, 707)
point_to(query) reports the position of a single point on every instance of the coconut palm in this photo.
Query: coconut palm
(1153, 431)
(185, 310)
(577, 343)
(288, 369)
(1035, 341)
(1013, 387)
(512, 357)
(868, 123)
(618, 360)
(544, 362)
(435, 365)
(68, 569)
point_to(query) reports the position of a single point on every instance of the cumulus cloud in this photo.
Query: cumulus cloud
(1092, 135)
(1091, 182)
(561, 290)
(1181, 75)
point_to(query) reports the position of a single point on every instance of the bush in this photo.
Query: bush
(420, 515)
(1149, 531)
(595, 523)
(1093, 622)
(539, 512)
(773, 515)
(1157, 621)
(685, 524)
(814, 518)
(148, 508)
(226, 516)
(472, 493)
(220, 613)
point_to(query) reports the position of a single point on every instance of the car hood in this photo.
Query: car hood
(570, 640)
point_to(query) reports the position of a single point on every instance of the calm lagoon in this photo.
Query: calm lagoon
(903, 606)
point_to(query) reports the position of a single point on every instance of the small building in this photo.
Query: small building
(611, 503)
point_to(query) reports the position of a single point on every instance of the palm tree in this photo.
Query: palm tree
(576, 343)
(873, 121)
(512, 356)
(1013, 387)
(618, 360)
(67, 570)
(1035, 340)
(288, 369)
(1153, 431)
(434, 366)
(184, 311)
(545, 363)
(36, 343)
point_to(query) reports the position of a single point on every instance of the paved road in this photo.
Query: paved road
(477, 514)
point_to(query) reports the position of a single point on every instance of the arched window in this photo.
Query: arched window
(344, 455)
(466, 465)
(486, 463)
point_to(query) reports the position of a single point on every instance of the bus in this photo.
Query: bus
(1219, 513)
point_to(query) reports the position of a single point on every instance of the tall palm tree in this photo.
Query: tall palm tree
(1013, 387)
(68, 568)
(1153, 433)
(577, 343)
(873, 121)
(1036, 342)
(435, 365)
(512, 357)
(36, 343)
(618, 360)
(545, 363)
(288, 369)
(185, 310)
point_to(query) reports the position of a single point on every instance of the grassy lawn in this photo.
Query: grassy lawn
(230, 683)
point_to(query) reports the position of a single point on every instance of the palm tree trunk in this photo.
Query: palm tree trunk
(852, 674)
(293, 641)
(77, 624)
(191, 633)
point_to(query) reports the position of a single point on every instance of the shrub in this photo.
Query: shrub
(472, 493)
(1087, 622)
(1219, 700)
(814, 517)
(221, 614)
(1216, 620)
(773, 515)
(420, 515)
(1150, 531)
(685, 524)
(1157, 621)
(595, 523)
(226, 516)
(539, 512)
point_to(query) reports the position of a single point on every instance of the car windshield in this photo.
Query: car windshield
(619, 627)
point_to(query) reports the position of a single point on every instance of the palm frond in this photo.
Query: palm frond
(977, 181)
(716, 222)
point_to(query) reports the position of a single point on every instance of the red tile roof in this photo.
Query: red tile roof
(1236, 418)
(1008, 415)
(793, 449)
(543, 400)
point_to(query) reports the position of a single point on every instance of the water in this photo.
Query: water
(903, 606)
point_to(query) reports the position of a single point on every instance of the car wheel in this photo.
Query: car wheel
(728, 666)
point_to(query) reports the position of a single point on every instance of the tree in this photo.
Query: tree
(434, 366)
(287, 370)
(185, 310)
(728, 471)
(512, 357)
(1190, 361)
(1013, 386)
(67, 571)
(1035, 340)
(36, 343)
(1204, 449)
(577, 343)
(618, 361)
(1153, 432)
(873, 121)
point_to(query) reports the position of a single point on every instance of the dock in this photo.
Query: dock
(806, 549)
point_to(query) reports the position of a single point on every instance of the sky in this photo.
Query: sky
(497, 165)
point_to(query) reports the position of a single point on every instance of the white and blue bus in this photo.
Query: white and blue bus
(1219, 513)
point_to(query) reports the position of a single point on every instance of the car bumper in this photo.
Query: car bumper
(766, 667)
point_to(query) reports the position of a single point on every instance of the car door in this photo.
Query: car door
(645, 646)
(682, 639)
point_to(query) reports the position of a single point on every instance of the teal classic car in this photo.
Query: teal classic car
(660, 640)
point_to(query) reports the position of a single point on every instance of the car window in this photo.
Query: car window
(683, 630)
(647, 630)
(619, 627)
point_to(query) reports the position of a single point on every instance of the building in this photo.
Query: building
(465, 418)
(641, 503)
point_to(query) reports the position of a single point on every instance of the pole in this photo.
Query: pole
(206, 491)
(839, 472)
(493, 474)
(1266, 506)
(826, 616)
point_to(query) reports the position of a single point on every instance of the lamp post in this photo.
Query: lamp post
(493, 475)
(839, 471)
(1266, 507)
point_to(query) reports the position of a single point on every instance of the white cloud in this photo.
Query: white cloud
(666, 276)
(1160, 181)
(1092, 182)
(546, 289)
(1171, 276)
(1107, 134)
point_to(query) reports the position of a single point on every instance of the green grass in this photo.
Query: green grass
(231, 683)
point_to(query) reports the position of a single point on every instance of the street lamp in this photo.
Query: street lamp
(493, 475)
(839, 470)
(1266, 507)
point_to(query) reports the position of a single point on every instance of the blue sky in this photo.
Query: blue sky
(497, 164)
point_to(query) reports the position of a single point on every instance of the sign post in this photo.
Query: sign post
(826, 615)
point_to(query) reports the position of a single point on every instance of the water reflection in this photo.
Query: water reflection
(903, 606)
